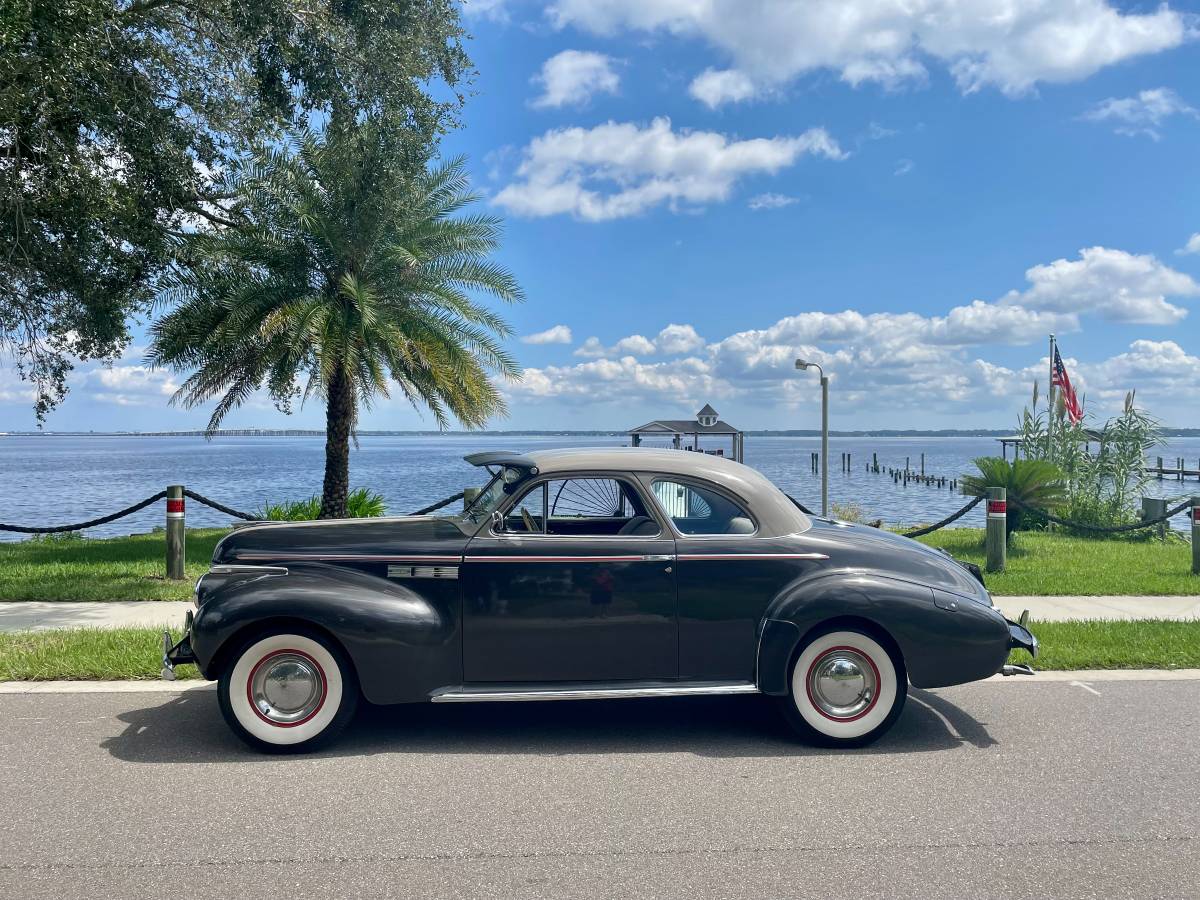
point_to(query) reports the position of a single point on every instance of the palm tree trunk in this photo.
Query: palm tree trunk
(339, 414)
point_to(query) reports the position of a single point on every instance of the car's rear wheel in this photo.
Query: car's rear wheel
(846, 688)
(288, 691)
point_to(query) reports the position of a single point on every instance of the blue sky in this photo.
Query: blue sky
(698, 191)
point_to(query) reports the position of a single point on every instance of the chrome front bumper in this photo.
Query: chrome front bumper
(177, 652)
(1020, 638)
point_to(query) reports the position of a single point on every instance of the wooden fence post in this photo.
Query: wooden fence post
(175, 532)
(1196, 535)
(997, 527)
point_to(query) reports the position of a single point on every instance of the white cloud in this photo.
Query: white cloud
(1155, 368)
(1010, 44)
(124, 385)
(592, 348)
(573, 77)
(770, 201)
(495, 10)
(903, 167)
(635, 344)
(558, 334)
(1120, 286)
(617, 170)
(713, 88)
(1140, 115)
(675, 339)
(906, 361)
(1192, 245)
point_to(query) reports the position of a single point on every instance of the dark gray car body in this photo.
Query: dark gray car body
(433, 604)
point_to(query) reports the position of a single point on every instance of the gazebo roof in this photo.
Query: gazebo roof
(683, 426)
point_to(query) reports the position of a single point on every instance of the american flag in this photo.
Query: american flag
(1062, 381)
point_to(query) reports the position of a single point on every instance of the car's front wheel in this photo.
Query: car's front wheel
(287, 691)
(846, 689)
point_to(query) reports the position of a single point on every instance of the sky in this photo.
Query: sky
(697, 192)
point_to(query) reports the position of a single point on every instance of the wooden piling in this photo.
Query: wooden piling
(1196, 535)
(996, 536)
(176, 533)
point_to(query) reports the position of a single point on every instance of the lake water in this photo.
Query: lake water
(53, 479)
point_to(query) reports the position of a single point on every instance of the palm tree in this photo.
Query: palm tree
(1036, 483)
(345, 276)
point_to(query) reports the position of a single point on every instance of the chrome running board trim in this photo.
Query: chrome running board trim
(461, 695)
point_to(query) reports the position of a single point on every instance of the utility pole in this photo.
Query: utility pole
(802, 365)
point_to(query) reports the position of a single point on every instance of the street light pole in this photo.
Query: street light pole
(802, 365)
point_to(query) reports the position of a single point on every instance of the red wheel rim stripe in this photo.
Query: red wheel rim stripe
(817, 706)
(250, 684)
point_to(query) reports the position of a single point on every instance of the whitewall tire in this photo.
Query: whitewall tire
(287, 691)
(846, 689)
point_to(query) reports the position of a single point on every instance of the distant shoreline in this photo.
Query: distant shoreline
(806, 433)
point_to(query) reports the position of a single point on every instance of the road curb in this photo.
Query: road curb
(174, 687)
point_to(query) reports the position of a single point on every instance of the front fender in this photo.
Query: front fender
(940, 645)
(403, 640)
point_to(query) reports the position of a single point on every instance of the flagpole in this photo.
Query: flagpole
(1050, 410)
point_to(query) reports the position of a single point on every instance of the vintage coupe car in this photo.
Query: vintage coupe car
(580, 574)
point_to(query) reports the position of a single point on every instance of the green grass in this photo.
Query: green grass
(1150, 644)
(124, 568)
(84, 654)
(135, 653)
(1043, 563)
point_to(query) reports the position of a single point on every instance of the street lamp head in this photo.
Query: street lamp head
(801, 364)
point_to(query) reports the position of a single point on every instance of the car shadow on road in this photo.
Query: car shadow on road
(189, 728)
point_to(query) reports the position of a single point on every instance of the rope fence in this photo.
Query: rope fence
(1101, 529)
(996, 539)
(929, 529)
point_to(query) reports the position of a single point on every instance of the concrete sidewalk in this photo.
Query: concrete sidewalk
(160, 614)
(22, 616)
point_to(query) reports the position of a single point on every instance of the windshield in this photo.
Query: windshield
(487, 501)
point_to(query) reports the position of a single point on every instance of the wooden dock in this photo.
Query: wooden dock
(1178, 472)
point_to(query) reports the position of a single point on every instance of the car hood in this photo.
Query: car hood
(282, 541)
(875, 548)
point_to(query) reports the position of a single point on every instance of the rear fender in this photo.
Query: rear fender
(404, 639)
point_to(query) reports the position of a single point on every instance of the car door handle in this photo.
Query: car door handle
(661, 557)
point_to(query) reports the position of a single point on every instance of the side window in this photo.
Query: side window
(698, 510)
(595, 507)
(529, 513)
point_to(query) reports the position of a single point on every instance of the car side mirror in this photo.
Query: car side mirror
(497, 522)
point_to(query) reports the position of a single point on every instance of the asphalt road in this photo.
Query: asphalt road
(989, 790)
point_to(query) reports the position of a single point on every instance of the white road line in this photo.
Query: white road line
(1086, 687)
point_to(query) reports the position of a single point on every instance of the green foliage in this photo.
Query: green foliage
(361, 503)
(349, 278)
(115, 115)
(1033, 482)
(847, 512)
(1103, 478)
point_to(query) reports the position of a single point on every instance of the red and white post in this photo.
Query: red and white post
(175, 532)
(997, 529)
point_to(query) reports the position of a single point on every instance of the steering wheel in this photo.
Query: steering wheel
(528, 520)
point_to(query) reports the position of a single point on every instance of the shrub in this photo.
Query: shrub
(1034, 482)
(362, 503)
(1102, 486)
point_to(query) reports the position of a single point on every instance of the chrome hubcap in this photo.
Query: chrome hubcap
(842, 683)
(287, 688)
